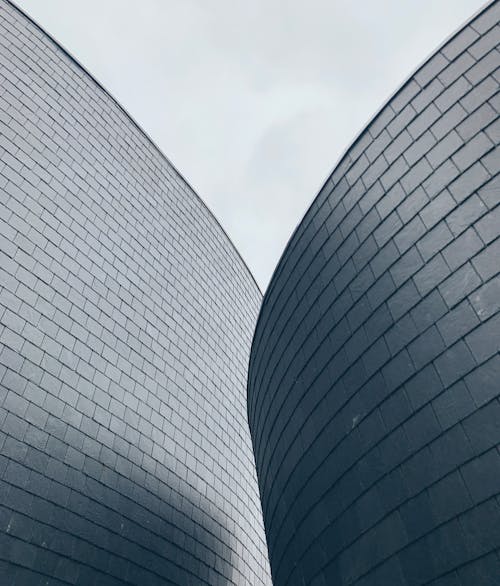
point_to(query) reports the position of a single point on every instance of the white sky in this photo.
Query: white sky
(252, 100)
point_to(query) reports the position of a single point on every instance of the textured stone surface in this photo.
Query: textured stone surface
(375, 369)
(125, 324)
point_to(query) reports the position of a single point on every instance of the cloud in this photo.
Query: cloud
(252, 101)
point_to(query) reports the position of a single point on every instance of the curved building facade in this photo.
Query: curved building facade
(126, 318)
(374, 376)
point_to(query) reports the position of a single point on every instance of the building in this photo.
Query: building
(374, 377)
(126, 318)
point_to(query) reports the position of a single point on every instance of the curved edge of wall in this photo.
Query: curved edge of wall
(376, 348)
(126, 319)
(181, 176)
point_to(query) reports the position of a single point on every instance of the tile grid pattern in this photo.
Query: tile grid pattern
(126, 319)
(374, 373)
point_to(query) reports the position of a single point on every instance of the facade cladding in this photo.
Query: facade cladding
(374, 377)
(126, 319)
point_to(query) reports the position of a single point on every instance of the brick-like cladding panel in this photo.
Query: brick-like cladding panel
(375, 370)
(126, 318)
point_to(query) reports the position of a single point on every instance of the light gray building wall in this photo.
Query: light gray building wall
(126, 317)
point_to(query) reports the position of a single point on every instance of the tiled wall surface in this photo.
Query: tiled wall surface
(375, 369)
(126, 318)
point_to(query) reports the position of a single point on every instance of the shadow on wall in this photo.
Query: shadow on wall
(66, 518)
(373, 393)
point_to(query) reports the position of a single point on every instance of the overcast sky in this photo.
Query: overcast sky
(252, 100)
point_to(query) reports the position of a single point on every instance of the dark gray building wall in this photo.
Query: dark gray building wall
(126, 318)
(375, 371)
